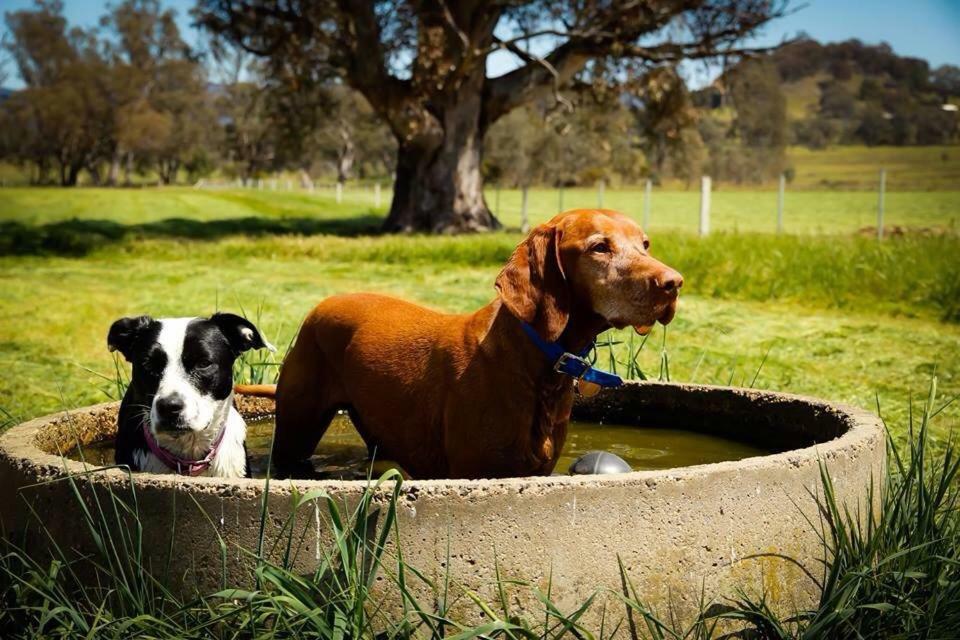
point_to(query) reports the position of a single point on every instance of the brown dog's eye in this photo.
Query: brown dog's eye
(600, 247)
(646, 244)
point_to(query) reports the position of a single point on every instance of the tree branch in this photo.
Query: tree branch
(518, 87)
(533, 59)
(624, 22)
(675, 52)
(716, 27)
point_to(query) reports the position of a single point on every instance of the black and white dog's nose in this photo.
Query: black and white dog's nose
(170, 407)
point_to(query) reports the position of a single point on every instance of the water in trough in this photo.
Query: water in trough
(341, 453)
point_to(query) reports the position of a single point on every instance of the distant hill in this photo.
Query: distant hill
(5, 93)
(853, 93)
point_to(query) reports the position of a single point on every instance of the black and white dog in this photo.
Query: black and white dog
(177, 415)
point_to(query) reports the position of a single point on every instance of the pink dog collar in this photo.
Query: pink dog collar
(180, 465)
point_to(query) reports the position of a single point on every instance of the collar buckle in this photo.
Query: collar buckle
(577, 370)
(571, 364)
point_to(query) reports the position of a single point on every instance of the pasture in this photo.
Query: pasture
(824, 310)
(836, 315)
(732, 210)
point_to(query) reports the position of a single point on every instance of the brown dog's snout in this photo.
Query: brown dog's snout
(668, 281)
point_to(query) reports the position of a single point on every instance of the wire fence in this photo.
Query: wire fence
(711, 208)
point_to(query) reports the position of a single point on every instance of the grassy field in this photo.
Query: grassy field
(836, 315)
(805, 212)
(842, 317)
(858, 167)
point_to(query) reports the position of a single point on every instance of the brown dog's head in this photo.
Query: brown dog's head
(592, 259)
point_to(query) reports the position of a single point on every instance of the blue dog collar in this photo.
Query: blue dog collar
(571, 364)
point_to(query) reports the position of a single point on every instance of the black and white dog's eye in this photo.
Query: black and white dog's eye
(154, 363)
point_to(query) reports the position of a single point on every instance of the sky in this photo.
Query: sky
(928, 29)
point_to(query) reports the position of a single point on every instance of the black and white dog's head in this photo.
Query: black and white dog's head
(182, 373)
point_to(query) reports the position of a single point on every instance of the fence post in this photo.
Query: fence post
(782, 187)
(560, 199)
(376, 195)
(524, 224)
(339, 192)
(260, 184)
(883, 187)
(704, 205)
(600, 187)
(646, 203)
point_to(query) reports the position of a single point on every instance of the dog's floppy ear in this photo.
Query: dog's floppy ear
(533, 286)
(240, 333)
(124, 333)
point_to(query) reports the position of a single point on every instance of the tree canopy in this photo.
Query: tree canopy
(129, 100)
(422, 66)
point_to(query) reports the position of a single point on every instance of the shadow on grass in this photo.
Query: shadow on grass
(78, 237)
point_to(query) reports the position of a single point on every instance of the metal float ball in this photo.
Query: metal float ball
(598, 462)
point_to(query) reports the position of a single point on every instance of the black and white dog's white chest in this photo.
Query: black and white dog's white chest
(177, 415)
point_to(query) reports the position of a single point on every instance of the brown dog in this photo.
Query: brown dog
(471, 396)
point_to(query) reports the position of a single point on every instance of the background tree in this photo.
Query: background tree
(667, 120)
(946, 80)
(158, 90)
(585, 138)
(422, 67)
(130, 97)
(317, 122)
(332, 126)
(130, 90)
(749, 143)
(248, 136)
(55, 116)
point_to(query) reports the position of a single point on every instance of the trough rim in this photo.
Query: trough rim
(18, 447)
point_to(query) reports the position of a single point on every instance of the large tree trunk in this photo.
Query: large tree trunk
(438, 186)
(439, 121)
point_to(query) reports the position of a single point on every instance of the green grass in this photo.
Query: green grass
(154, 211)
(858, 166)
(896, 574)
(40, 205)
(805, 212)
(839, 316)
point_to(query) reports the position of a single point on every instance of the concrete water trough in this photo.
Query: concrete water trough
(679, 533)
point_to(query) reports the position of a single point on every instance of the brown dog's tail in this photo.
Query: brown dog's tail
(256, 390)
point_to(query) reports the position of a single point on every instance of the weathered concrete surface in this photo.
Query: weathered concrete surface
(680, 533)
